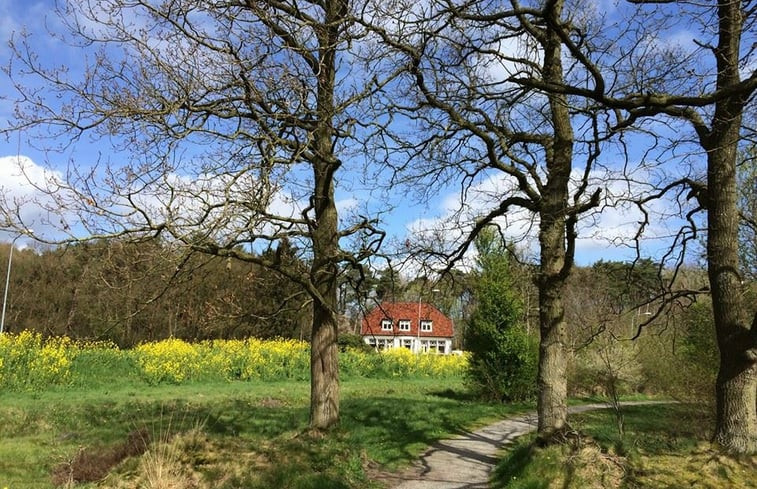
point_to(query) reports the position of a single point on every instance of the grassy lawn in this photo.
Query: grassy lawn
(238, 434)
(663, 446)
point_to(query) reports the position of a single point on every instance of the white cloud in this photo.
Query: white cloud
(607, 232)
(221, 205)
(346, 205)
(27, 197)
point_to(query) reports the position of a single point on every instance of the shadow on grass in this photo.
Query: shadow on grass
(387, 425)
(513, 467)
(457, 395)
(668, 433)
(395, 431)
(653, 429)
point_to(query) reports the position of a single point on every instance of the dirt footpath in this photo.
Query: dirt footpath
(467, 461)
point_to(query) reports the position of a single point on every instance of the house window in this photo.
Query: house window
(386, 325)
(380, 343)
(407, 343)
(404, 324)
(426, 325)
(438, 346)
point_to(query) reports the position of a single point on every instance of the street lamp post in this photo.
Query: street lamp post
(7, 283)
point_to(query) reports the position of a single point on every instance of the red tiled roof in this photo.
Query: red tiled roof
(396, 311)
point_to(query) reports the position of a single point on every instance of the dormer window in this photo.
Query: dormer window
(386, 325)
(404, 325)
(426, 325)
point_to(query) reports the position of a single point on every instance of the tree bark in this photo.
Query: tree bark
(324, 372)
(552, 405)
(555, 262)
(324, 356)
(736, 385)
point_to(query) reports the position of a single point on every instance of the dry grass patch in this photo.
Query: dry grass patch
(94, 464)
(591, 468)
(190, 460)
(664, 446)
(704, 468)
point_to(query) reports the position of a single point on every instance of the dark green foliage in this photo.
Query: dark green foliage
(352, 340)
(628, 284)
(503, 361)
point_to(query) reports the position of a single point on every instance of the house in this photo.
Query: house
(420, 327)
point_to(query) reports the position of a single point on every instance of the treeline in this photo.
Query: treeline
(130, 293)
(134, 292)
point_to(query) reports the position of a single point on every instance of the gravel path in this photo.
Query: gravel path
(466, 462)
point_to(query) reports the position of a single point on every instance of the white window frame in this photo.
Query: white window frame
(435, 346)
(386, 325)
(427, 325)
(404, 324)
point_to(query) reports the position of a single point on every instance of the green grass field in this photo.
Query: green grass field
(173, 415)
(251, 434)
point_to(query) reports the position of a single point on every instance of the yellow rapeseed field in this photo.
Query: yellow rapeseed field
(29, 361)
(26, 360)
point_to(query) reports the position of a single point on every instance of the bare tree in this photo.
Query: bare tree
(227, 124)
(474, 126)
(669, 85)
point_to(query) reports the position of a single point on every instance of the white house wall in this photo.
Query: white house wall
(417, 345)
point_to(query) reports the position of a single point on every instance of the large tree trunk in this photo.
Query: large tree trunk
(736, 387)
(324, 356)
(324, 372)
(552, 405)
(555, 262)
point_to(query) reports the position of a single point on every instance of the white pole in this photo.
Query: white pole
(7, 282)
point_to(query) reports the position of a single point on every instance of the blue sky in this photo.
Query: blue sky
(405, 216)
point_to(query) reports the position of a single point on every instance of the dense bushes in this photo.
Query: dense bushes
(28, 362)
(683, 361)
(675, 357)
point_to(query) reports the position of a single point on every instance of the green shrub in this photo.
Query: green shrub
(682, 361)
(504, 358)
(352, 341)
(503, 362)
